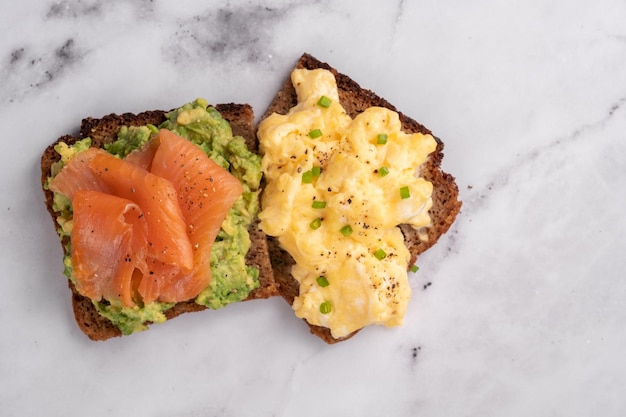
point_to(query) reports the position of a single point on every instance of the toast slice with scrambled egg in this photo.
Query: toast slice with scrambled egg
(105, 130)
(297, 127)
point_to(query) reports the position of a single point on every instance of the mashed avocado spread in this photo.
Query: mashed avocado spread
(232, 280)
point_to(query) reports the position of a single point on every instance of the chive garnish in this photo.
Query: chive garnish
(382, 139)
(315, 133)
(322, 281)
(307, 176)
(414, 268)
(318, 204)
(325, 307)
(405, 193)
(382, 171)
(346, 230)
(315, 224)
(380, 254)
(324, 102)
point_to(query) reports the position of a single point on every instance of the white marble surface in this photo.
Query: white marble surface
(519, 311)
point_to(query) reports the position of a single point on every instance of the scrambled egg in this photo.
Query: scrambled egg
(337, 189)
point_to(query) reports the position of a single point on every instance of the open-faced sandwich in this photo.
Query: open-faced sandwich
(353, 193)
(327, 204)
(156, 213)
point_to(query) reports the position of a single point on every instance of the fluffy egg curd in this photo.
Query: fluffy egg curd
(337, 190)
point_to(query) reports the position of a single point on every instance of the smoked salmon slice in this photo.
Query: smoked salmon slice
(77, 175)
(206, 193)
(143, 157)
(108, 245)
(167, 236)
(143, 227)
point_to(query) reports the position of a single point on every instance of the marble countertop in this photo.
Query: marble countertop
(518, 311)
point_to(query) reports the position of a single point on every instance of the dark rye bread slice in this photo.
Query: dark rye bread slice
(104, 130)
(355, 100)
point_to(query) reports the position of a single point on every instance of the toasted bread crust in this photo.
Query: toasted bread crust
(104, 130)
(355, 100)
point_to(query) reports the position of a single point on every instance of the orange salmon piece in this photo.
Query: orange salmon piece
(143, 157)
(159, 277)
(77, 175)
(166, 236)
(206, 192)
(108, 245)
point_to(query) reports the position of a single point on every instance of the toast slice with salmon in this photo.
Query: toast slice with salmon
(104, 131)
(355, 100)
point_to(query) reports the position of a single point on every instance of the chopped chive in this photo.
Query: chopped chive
(307, 176)
(405, 193)
(383, 171)
(325, 307)
(318, 204)
(382, 138)
(315, 133)
(380, 254)
(324, 102)
(414, 268)
(322, 281)
(315, 224)
(346, 230)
